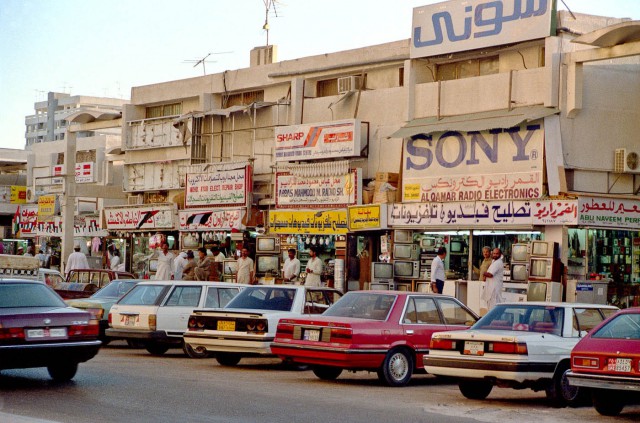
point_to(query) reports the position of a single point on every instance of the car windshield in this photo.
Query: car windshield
(144, 295)
(28, 295)
(623, 326)
(362, 305)
(531, 318)
(115, 289)
(264, 298)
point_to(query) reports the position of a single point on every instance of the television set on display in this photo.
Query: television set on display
(405, 251)
(381, 271)
(229, 267)
(544, 269)
(267, 245)
(403, 236)
(456, 247)
(520, 252)
(268, 265)
(544, 249)
(408, 269)
(519, 272)
(428, 243)
(544, 291)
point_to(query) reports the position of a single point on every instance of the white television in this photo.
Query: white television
(406, 251)
(406, 269)
(268, 245)
(381, 271)
(520, 252)
(544, 291)
(519, 272)
(544, 249)
(403, 236)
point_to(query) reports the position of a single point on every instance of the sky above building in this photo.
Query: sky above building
(98, 48)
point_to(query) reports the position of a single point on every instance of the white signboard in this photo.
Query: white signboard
(555, 212)
(209, 220)
(474, 166)
(609, 212)
(466, 214)
(222, 188)
(456, 25)
(341, 138)
(318, 192)
(140, 217)
(83, 226)
(85, 172)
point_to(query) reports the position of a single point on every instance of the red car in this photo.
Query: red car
(607, 360)
(383, 331)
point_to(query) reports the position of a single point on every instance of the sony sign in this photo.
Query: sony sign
(456, 25)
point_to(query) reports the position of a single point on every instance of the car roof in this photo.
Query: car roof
(190, 283)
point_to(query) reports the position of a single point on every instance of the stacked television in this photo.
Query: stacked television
(406, 253)
(268, 257)
(545, 272)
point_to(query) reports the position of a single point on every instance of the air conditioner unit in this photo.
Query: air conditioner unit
(132, 200)
(626, 161)
(349, 84)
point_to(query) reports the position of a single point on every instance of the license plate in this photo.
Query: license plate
(47, 333)
(473, 348)
(311, 335)
(226, 325)
(619, 365)
(129, 320)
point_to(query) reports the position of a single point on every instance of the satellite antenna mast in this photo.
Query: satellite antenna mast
(268, 4)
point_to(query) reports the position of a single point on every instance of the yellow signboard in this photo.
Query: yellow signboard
(18, 194)
(365, 217)
(46, 206)
(308, 222)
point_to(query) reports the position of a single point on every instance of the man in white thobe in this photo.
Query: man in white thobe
(76, 260)
(165, 264)
(492, 293)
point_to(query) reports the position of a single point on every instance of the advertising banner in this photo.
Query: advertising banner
(318, 192)
(209, 220)
(83, 226)
(18, 194)
(609, 212)
(555, 212)
(140, 217)
(308, 222)
(27, 219)
(46, 206)
(368, 217)
(474, 166)
(221, 188)
(337, 139)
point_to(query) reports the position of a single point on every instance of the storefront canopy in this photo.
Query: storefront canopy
(504, 118)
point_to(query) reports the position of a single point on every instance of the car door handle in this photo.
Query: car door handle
(409, 332)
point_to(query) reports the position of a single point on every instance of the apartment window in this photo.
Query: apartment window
(467, 68)
(173, 109)
(198, 147)
(86, 156)
(244, 99)
(327, 87)
(401, 77)
(60, 159)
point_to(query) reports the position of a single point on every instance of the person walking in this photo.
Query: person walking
(437, 271)
(165, 264)
(291, 266)
(76, 260)
(492, 293)
(314, 269)
(246, 270)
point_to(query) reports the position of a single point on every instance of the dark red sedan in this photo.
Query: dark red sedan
(37, 329)
(383, 331)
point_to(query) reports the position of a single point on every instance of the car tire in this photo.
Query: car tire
(397, 368)
(608, 402)
(227, 359)
(104, 339)
(199, 352)
(156, 349)
(561, 393)
(62, 372)
(327, 372)
(476, 389)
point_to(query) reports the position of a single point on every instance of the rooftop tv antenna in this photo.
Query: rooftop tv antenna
(268, 4)
(203, 61)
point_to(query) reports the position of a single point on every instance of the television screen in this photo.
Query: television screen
(537, 291)
(403, 236)
(428, 243)
(230, 267)
(543, 249)
(456, 247)
(382, 271)
(520, 252)
(267, 264)
(406, 269)
(540, 268)
(267, 245)
(405, 251)
(519, 272)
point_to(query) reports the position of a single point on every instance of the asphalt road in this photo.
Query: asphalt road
(129, 385)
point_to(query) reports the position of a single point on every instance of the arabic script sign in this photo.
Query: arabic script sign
(18, 194)
(472, 166)
(321, 192)
(453, 26)
(341, 138)
(308, 222)
(208, 220)
(469, 213)
(223, 188)
(555, 212)
(609, 212)
(367, 217)
(28, 219)
(86, 226)
(140, 217)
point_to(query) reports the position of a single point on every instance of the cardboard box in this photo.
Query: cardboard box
(367, 196)
(387, 177)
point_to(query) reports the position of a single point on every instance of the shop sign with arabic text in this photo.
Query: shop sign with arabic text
(554, 212)
(208, 220)
(308, 222)
(83, 226)
(318, 192)
(28, 219)
(367, 217)
(221, 188)
(140, 217)
(474, 166)
(609, 212)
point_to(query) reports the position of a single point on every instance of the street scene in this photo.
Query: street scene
(444, 227)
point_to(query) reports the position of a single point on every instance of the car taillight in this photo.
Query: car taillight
(507, 347)
(11, 333)
(109, 318)
(96, 312)
(586, 362)
(442, 344)
(257, 326)
(341, 335)
(284, 330)
(152, 322)
(89, 330)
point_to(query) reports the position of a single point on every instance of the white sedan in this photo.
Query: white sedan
(517, 345)
(247, 325)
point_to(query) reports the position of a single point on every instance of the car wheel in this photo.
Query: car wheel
(561, 393)
(608, 402)
(62, 372)
(156, 349)
(227, 359)
(327, 372)
(198, 352)
(475, 389)
(397, 368)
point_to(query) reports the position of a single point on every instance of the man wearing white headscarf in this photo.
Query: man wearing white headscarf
(178, 265)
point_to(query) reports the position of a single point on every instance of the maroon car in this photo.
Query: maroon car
(83, 283)
(37, 329)
(383, 331)
(607, 361)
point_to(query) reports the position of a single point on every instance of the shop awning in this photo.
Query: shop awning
(504, 118)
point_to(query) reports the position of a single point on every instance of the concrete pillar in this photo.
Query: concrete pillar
(68, 199)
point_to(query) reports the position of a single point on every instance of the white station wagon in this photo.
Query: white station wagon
(518, 345)
(155, 313)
